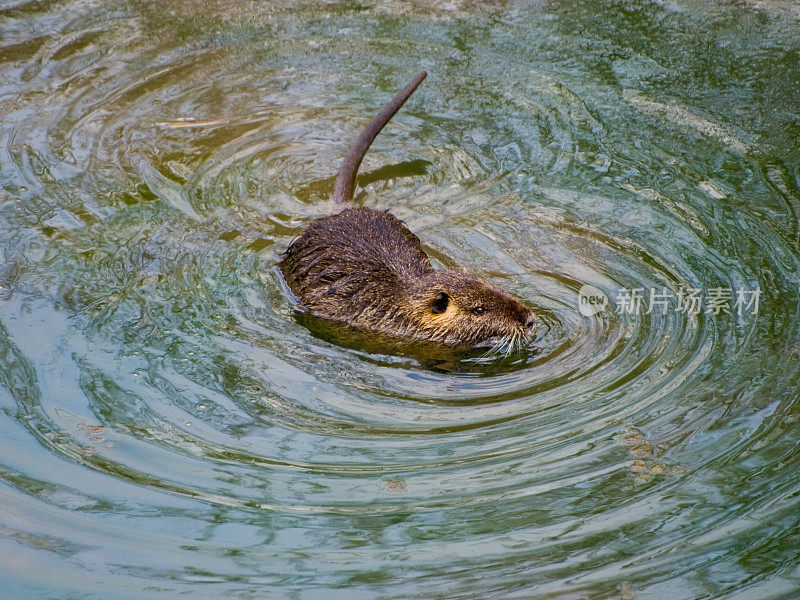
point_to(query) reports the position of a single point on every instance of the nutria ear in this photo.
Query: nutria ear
(440, 302)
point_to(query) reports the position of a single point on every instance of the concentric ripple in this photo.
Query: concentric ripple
(173, 425)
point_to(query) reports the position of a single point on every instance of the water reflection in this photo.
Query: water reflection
(172, 425)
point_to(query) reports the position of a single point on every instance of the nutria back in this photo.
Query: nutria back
(355, 266)
(365, 268)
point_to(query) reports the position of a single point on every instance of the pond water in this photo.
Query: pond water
(172, 426)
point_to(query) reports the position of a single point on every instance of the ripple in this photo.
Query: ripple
(173, 421)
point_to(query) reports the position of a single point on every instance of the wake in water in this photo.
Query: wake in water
(170, 422)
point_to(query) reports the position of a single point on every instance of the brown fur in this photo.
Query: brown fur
(364, 267)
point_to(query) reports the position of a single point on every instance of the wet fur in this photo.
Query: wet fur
(365, 267)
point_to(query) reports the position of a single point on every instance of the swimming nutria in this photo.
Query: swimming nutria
(364, 267)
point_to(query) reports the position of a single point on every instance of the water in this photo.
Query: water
(171, 427)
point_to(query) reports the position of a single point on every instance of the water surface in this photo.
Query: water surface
(173, 427)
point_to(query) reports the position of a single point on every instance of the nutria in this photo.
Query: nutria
(365, 268)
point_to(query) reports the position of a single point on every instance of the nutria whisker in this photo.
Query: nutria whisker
(494, 349)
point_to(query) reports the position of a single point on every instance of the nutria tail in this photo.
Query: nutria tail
(345, 183)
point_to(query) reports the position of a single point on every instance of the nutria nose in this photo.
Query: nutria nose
(530, 321)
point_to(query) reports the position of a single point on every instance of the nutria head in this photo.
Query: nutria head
(455, 307)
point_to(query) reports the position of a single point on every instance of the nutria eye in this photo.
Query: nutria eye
(440, 302)
(478, 310)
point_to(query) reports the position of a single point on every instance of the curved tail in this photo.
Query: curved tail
(345, 183)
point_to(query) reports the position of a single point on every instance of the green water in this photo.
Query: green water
(172, 427)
